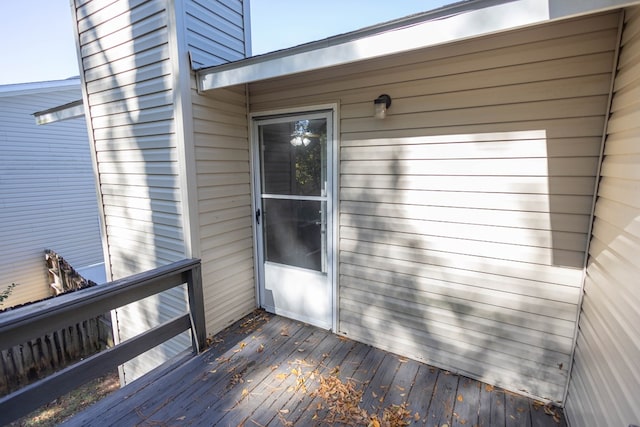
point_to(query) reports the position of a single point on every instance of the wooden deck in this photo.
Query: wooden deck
(267, 370)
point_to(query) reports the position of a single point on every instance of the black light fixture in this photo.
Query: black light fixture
(381, 104)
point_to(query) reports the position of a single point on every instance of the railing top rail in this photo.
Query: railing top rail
(23, 323)
(19, 325)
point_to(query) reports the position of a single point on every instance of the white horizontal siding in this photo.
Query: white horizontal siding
(605, 381)
(464, 214)
(127, 70)
(214, 31)
(47, 192)
(224, 200)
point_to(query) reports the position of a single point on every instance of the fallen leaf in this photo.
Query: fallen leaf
(416, 416)
(460, 398)
(284, 411)
(488, 387)
(261, 348)
(374, 423)
(281, 377)
(181, 418)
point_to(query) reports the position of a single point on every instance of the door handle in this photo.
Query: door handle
(258, 216)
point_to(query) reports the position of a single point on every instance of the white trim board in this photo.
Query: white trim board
(462, 21)
(71, 110)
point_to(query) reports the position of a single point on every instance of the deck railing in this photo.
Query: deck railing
(40, 318)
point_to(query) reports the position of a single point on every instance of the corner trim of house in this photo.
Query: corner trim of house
(252, 189)
(183, 117)
(94, 162)
(246, 21)
(614, 66)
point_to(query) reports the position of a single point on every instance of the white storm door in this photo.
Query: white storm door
(293, 216)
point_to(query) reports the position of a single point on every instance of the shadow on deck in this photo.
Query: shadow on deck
(267, 370)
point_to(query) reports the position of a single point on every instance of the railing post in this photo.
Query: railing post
(196, 308)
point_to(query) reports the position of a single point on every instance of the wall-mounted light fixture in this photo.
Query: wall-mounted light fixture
(381, 104)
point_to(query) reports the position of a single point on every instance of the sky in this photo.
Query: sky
(37, 42)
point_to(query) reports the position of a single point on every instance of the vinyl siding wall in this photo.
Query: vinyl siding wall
(464, 214)
(125, 56)
(605, 381)
(224, 200)
(47, 192)
(215, 31)
(221, 144)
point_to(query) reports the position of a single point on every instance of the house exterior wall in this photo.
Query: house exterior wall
(137, 78)
(47, 193)
(224, 205)
(216, 32)
(464, 215)
(605, 380)
(127, 72)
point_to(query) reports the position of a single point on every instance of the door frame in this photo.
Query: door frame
(332, 196)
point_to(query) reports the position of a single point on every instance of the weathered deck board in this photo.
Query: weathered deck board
(466, 411)
(263, 371)
(444, 394)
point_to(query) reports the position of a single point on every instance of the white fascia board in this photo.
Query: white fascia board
(62, 112)
(464, 21)
(473, 22)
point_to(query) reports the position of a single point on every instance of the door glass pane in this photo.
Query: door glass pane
(295, 233)
(293, 157)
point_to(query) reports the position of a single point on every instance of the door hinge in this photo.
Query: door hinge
(258, 216)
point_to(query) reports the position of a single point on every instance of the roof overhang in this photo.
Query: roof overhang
(68, 111)
(457, 22)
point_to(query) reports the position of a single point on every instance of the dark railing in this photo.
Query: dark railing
(40, 318)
